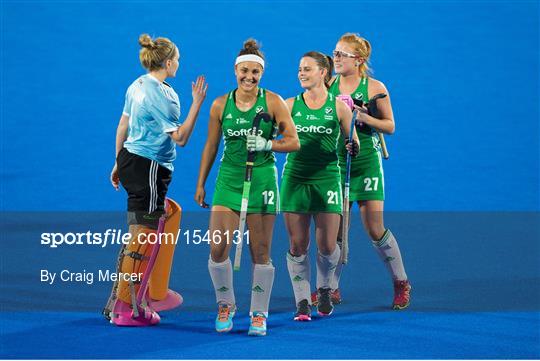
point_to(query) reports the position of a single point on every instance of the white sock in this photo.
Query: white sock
(334, 284)
(222, 278)
(300, 274)
(261, 289)
(326, 265)
(388, 250)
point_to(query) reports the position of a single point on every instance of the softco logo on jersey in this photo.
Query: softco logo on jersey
(320, 129)
(242, 132)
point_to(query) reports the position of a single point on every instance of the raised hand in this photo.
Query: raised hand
(198, 89)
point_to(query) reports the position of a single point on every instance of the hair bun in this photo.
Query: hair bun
(251, 44)
(146, 41)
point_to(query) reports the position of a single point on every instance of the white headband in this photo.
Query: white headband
(250, 57)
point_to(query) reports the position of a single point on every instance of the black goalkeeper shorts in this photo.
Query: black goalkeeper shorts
(146, 183)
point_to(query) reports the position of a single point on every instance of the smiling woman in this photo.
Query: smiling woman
(232, 115)
(351, 57)
(311, 182)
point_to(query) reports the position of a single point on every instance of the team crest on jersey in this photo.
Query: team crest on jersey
(358, 96)
(228, 116)
(298, 114)
(328, 110)
(259, 109)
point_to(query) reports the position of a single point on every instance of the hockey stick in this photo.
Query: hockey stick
(345, 225)
(245, 192)
(374, 112)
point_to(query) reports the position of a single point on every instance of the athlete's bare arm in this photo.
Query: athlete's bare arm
(386, 124)
(198, 91)
(121, 136)
(281, 113)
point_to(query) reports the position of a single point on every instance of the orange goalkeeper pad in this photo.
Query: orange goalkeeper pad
(135, 261)
(159, 278)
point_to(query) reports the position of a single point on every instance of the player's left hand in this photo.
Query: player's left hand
(353, 148)
(362, 116)
(256, 143)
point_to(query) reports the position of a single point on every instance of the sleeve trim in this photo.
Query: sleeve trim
(168, 130)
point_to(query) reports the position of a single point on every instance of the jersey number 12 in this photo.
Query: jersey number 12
(268, 197)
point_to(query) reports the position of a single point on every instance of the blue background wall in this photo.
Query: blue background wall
(463, 77)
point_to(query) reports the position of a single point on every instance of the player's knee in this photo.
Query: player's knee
(298, 248)
(219, 255)
(327, 248)
(375, 232)
(260, 253)
(261, 258)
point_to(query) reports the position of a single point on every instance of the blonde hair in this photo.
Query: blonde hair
(361, 48)
(155, 52)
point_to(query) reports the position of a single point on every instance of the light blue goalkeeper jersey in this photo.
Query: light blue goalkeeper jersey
(153, 109)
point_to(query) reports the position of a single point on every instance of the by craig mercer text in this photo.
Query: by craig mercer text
(117, 236)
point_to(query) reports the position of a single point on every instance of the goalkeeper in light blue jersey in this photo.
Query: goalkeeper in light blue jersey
(153, 109)
(146, 138)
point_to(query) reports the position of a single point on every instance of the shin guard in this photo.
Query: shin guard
(159, 278)
(130, 309)
(149, 255)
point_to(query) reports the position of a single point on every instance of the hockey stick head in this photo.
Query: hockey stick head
(373, 110)
(378, 96)
(372, 104)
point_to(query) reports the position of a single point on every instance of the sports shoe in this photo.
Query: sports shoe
(334, 294)
(303, 311)
(324, 302)
(224, 317)
(402, 295)
(258, 324)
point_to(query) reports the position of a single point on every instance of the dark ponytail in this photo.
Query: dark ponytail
(324, 62)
